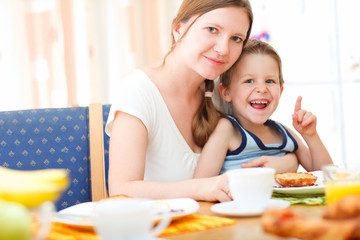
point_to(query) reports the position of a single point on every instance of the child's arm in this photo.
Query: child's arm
(213, 154)
(316, 155)
(286, 163)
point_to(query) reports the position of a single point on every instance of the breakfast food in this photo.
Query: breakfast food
(340, 221)
(285, 223)
(15, 221)
(345, 208)
(120, 196)
(32, 188)
(298, 179)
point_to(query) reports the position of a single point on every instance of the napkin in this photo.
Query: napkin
(188, 223)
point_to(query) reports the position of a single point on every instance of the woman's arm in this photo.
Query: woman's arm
(128, 143)
(213, 154)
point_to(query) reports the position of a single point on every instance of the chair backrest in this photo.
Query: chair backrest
(55, 138)
(98, 185)
(106, 110)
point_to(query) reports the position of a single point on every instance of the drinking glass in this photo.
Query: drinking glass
(340, 182)
(41, 220)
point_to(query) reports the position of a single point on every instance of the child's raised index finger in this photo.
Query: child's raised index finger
(298, 104)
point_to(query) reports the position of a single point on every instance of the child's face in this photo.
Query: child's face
(214, 41)
(254, 90)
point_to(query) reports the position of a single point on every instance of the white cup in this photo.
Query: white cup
(128, 219)
(251, 188)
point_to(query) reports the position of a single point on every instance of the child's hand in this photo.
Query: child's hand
(303, 121)
(287, 163)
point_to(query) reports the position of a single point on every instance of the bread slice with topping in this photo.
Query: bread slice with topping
(298, 179)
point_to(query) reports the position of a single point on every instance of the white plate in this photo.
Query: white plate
(231, 209)
(82, 214)
(318, 189)
(177, 207)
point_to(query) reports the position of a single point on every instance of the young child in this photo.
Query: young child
(253, 86)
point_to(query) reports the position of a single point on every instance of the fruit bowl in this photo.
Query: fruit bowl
(27, 201)
(18, 222)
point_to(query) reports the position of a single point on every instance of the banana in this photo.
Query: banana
(31, 188)
(51, 175)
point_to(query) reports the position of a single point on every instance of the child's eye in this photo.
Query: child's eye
(237, 39)
(249, 81)
(212, 29)
(270, 81)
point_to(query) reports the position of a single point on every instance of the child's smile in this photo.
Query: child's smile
(259, 104)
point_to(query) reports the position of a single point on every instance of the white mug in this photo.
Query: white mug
(128, 219)
(251, 188)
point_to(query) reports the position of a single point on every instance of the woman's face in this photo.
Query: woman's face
(214, 41)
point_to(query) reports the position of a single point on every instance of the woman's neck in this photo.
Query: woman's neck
(182, 94)
(176, 78)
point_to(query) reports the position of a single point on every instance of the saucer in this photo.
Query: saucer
(231, 209)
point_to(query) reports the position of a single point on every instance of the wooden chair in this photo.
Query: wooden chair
(106, 110)
(99, 160)
(70, 138)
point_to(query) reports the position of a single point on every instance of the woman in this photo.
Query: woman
(157, 125)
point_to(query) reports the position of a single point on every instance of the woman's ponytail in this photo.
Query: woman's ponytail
(206, 117)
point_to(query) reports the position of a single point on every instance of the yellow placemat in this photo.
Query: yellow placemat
(61, 231)
(184, 224)
(195, 222)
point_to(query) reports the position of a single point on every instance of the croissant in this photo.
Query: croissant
(345, 208)
(285, 223)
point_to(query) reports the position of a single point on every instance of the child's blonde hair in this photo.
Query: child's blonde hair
(253, 46)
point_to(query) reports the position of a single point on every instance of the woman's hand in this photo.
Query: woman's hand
(287, 163)
(215, 189)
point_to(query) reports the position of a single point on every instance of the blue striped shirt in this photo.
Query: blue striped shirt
(252, 147)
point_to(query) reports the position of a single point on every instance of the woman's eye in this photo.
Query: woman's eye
(211, 29)
(237, 39)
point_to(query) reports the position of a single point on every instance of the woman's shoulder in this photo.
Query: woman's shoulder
(135, 90)
(136, 82)
(136, 77)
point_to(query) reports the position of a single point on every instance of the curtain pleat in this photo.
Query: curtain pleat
(58, 53)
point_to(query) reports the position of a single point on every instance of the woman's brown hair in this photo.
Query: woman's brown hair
(207, 116)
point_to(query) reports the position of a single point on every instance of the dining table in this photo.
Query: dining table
(201, 222)
(247, 228)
